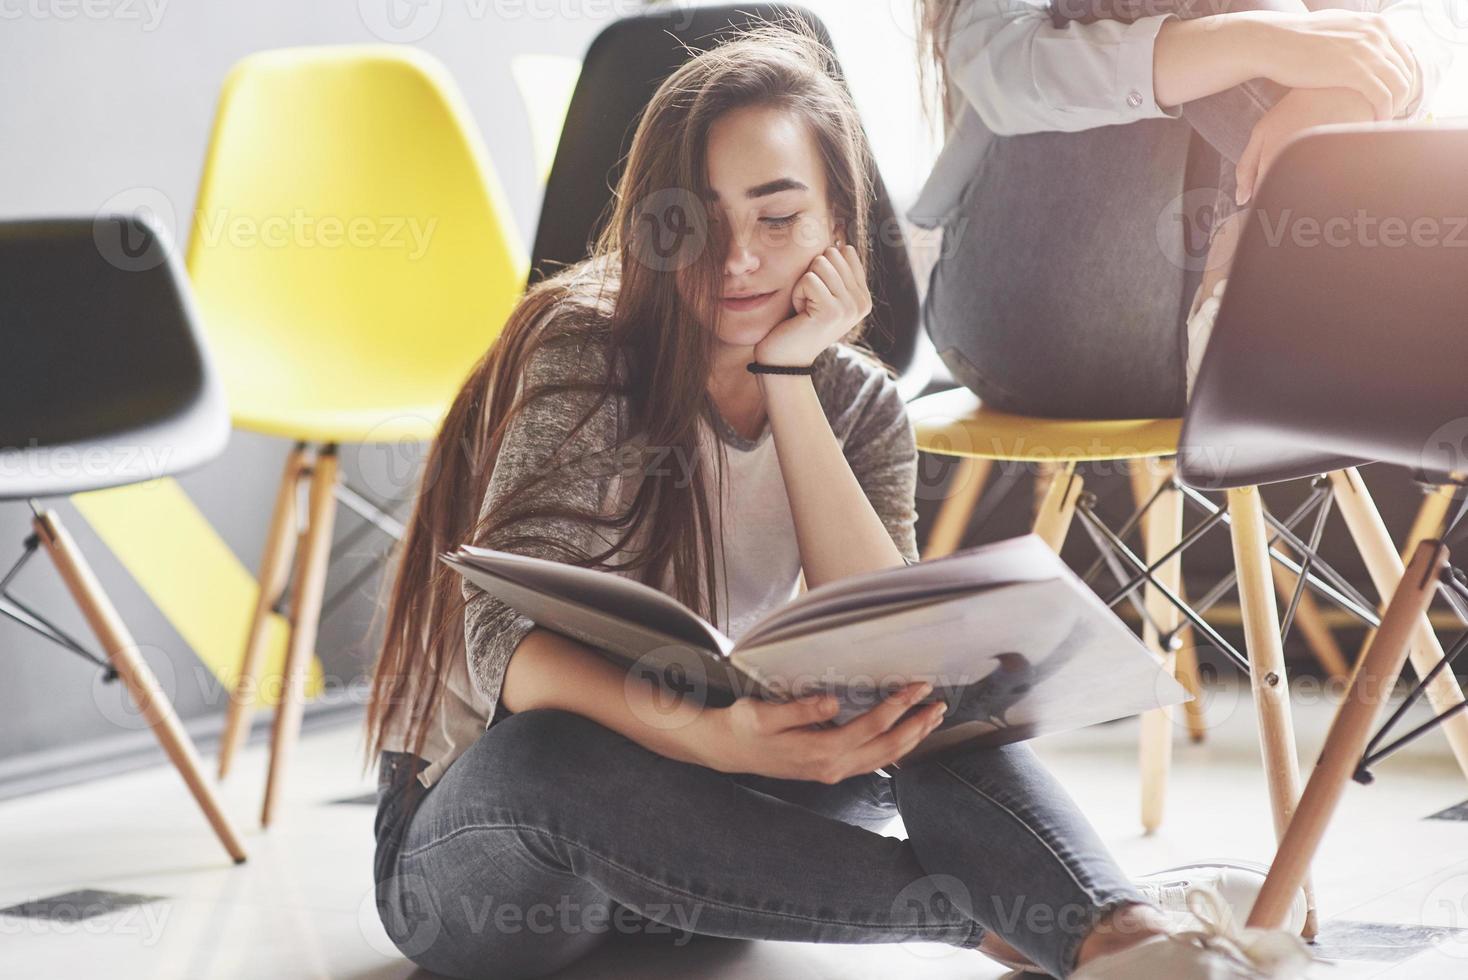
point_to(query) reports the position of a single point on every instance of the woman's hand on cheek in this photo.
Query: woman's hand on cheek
(830, 299)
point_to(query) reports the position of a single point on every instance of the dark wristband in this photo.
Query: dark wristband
(754, 367)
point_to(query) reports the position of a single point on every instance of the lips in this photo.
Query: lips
(746, 301)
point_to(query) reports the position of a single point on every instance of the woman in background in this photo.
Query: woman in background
(1084, 225)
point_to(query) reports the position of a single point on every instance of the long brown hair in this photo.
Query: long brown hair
(651, 309)
(934, 20)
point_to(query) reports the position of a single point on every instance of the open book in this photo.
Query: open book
(1006, 633)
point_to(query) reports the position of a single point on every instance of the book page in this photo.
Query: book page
(1012, 662)
(616, 595)
(1022, 559)
(686, 670)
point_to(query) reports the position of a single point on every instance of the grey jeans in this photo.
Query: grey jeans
(1068, 270)
(553, 835)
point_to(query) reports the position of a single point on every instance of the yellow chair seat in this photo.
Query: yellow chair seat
(341, 423)
(954, 423)
(348, 393)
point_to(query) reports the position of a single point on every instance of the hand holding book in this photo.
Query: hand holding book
(781, 740)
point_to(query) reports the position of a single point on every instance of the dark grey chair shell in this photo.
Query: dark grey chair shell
(104, 377)
(1341, 336)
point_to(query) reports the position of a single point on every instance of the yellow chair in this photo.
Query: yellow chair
(352, 254)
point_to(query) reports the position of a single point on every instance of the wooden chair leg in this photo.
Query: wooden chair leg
(1310, 622)
(1267, 674)
(1186, 663)
(1058, 508)
(142, 685)
(1431, 517)
(1368, 691)
(1162, 530)
(306, 599)
(1044, 477)
(274, 572)
(951, 521)
(1385, 567)
(1190, 677)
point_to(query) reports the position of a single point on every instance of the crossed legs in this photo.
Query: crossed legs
(551, 816)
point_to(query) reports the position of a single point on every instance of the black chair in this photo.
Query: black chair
(1340, 339)
(104, 381)
(623, 68)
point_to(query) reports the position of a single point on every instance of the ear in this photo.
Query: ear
(838, 232)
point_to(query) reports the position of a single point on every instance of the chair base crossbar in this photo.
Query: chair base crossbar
(1454, 582)
(1132, 573)
(15, 609)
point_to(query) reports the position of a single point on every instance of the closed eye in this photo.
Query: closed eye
(781, 222)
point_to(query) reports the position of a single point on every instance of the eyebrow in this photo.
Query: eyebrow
(769, 187)
(775, 187)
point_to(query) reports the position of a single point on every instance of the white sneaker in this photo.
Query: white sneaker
(1237, 882)
(1218, 950)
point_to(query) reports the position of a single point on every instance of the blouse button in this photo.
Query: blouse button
(1134, 98)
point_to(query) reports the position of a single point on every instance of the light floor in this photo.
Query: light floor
(302, 906)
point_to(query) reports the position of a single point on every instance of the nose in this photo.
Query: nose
(742, 259)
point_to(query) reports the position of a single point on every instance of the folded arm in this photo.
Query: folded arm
(1024, 72)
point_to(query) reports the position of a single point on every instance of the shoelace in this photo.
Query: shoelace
(1273, 953)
